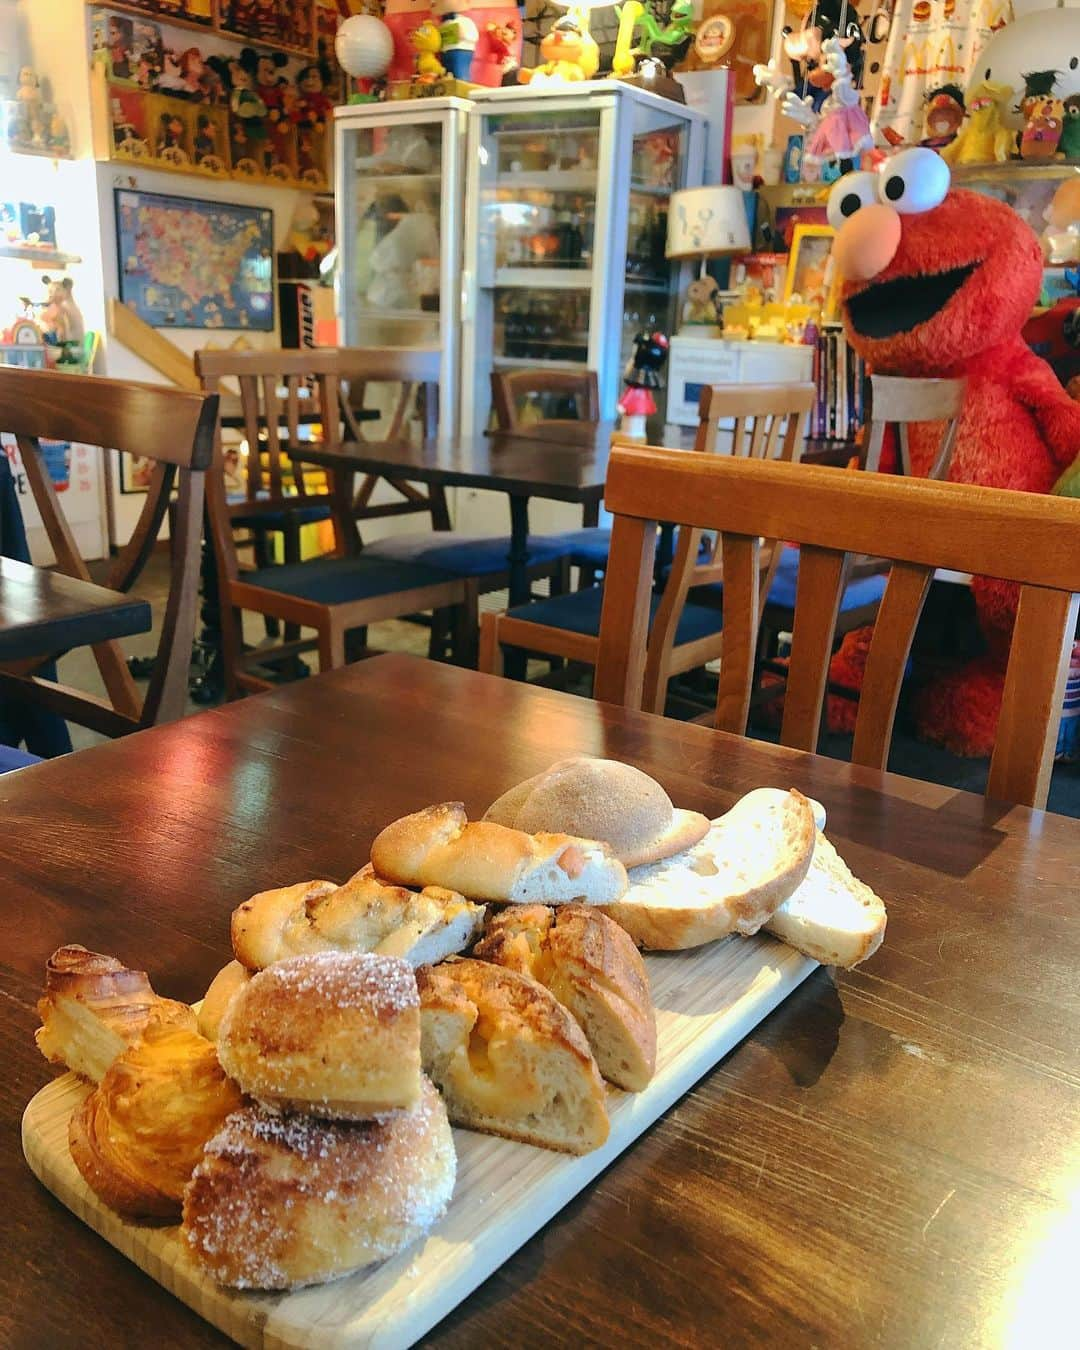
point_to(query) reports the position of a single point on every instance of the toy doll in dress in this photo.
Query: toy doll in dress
(824, 20)
(642, 376)
(840, 131)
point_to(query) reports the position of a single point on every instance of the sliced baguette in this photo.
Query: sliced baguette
(748, 864)
(832, 916)
(593, 968)
(508, 1058)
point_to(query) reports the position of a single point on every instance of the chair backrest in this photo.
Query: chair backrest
(898, 401)
(1030, 539)
(769, 422)
(173, 428)
(511, 390)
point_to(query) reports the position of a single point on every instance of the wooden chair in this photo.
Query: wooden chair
(769, 420)
(331, 594)
(176, 430)
(918, 524)
(899, 402)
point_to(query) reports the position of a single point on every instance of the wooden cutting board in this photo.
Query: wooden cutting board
(706, 1000)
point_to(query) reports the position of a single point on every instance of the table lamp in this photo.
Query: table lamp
(706, 222)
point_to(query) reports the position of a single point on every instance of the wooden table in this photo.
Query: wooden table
(43, 612)
(892, 1158)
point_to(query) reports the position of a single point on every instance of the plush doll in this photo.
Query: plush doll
(984, 137)
(939, 282)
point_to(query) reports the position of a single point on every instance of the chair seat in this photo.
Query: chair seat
(11, 759)
(463, 555)
(310, 514)
(336, 581)
(588, 547)
(862, 591)
(579, 612)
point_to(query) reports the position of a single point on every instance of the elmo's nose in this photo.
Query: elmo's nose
(867, 242)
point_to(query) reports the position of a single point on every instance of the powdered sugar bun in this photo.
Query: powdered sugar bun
(334, 1034)
(283, 1201)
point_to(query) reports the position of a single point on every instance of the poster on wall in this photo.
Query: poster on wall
(186, 263)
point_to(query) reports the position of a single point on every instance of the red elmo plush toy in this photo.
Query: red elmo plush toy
(939, 283)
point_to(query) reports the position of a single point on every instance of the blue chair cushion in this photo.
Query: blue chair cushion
(589, 547)
(11, 759)
(464, 555)
(579, 612)
(310, 514)
(862, 591)
(335, 581)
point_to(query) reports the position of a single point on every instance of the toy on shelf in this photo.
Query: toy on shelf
(171, 140)
(427, 43)
(459, 36)
(499, 47)
(60, 318)
(570, 54)
(642, 376)
(672, 39)
(1061, 238)
(307, 233)
(944, 116)
(1069, 145)
(837, 127)
(699, 309)
(984, 137)
(1042, 131)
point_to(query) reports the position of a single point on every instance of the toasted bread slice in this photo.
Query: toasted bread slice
(594, 970)
(748, 864)
(832, 916)
(508, 1058)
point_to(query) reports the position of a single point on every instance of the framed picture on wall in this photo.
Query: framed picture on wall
(135, 472)
(809, 277)
(186, 263)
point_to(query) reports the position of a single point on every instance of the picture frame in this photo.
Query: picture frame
(810, 278)
(188, 263)
(136, 472)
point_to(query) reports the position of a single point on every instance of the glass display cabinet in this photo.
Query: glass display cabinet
(400, 193)
(566, 224)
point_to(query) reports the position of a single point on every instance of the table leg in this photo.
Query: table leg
(515, 663)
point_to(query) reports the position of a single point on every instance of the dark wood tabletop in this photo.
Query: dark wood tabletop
(892, 1158)
(569, 469)
(42, 612)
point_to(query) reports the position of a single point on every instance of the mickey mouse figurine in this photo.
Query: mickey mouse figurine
(642, 376)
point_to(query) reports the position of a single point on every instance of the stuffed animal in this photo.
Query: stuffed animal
(1043, 128)
(700, 306)
(939, 282)
(984, 136)
(1069, 145)
(569, 53)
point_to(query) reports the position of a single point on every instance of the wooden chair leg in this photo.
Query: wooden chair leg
(232, 647)
(467, 627)
(331, 647)
(292, 555)
(491, 652)
(439, 639)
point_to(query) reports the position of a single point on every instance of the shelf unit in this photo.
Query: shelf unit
(39, 257)
(192, 25)
(549, 278)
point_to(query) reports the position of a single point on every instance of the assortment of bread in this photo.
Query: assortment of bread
(303, 1124)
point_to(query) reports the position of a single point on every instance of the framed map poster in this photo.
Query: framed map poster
(186, 263)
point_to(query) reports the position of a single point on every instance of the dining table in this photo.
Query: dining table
(890, 1158)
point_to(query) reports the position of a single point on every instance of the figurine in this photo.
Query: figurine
(171, 78)
(944, 116)
(822, 21)
(171, 133)
(306, 234)
(642, 376)
(275, 90)
(205, 146)
(838, 130)
(1038, 84)
(60, 318)
(674, 37)
(569, 53)
(700, 306)
(1042, 130)
(984, 137)
(501, 45)
(1069, 145)
(314, 106)
(1061, 238)
(247, 125)
(427, 42)
(459, 36)
(29, 90)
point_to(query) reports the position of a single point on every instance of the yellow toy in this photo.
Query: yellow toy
(428, 41)
(569, 54)
(622, 63)
(983, 138)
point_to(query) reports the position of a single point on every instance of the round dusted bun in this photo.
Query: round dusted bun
(602, 799)
(283, 1201)
(335, 1034)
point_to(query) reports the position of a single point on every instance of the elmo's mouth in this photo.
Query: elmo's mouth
(902, 303)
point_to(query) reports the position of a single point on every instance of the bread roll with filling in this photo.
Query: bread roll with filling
(335, 1034)
(224, 987)
(94, 1007)
(440, 847)
(744, 869)
(593, 968)
(363, 915)
(508, 1057)
(283, 1201)
(137, 1137)
(602, 799)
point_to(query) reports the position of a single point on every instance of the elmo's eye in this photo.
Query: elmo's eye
(913, 181)
(850, 194)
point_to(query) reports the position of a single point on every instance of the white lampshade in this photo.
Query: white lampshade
(706, 222)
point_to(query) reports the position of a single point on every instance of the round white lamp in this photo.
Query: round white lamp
(364, 47)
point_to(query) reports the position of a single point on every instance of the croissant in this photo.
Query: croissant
(94, 1007)
(364, 915)
(139, 1135)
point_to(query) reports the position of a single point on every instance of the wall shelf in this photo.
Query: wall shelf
(40, 257)
(175, 21)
